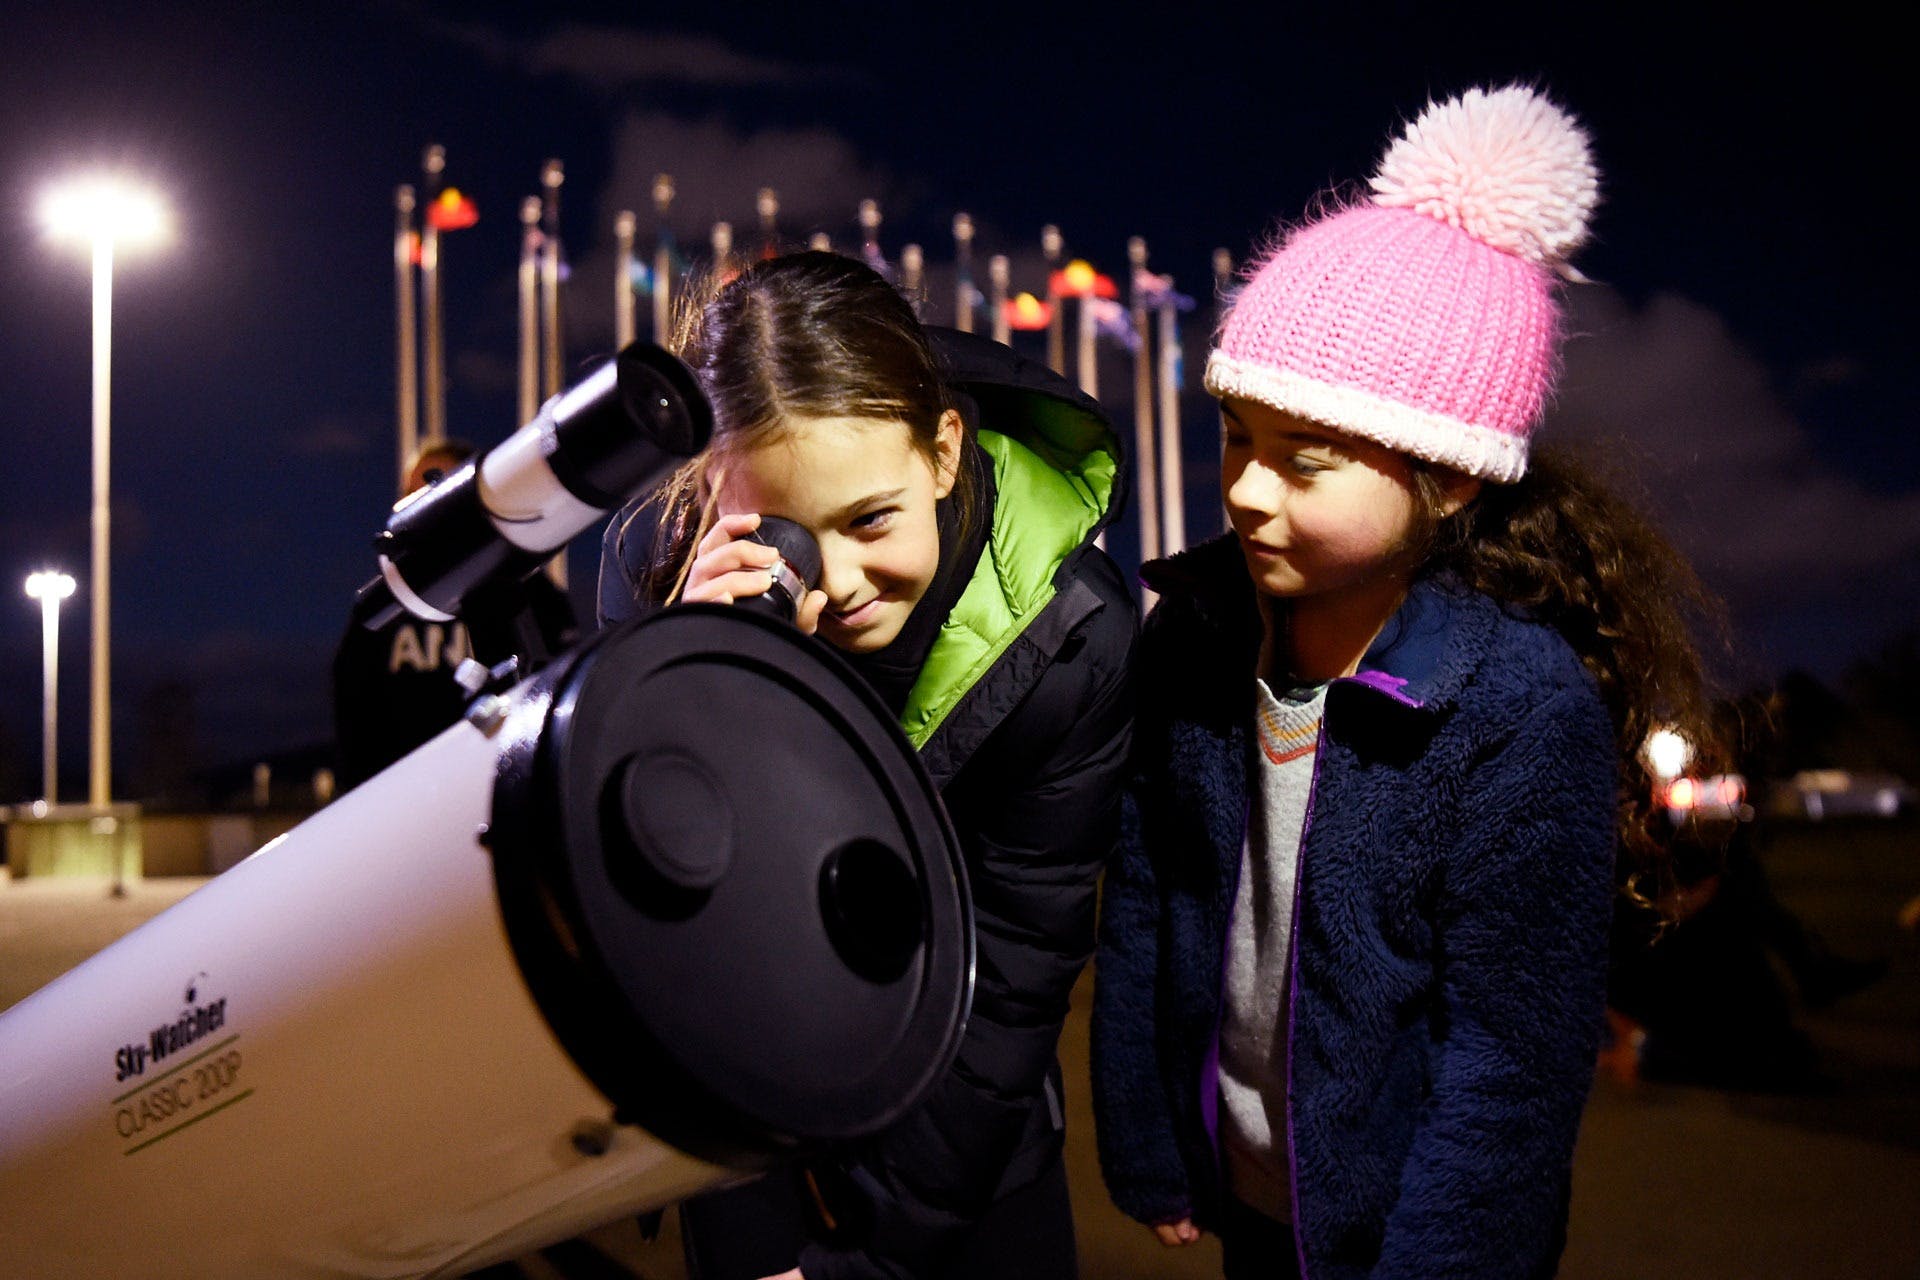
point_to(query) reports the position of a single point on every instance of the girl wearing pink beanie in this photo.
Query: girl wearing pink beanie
(1353, 949)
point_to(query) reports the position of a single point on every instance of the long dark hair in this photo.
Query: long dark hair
(805, 335)
(1563, 545)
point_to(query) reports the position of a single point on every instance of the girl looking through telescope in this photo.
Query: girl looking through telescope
(955, 491)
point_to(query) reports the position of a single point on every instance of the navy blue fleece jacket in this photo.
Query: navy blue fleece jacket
(1450, 931)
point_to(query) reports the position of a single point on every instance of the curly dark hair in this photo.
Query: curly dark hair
(1562, 545)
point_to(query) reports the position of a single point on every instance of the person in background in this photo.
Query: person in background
(393, 688)
(1693, 994)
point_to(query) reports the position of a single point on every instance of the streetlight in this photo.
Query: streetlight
(50, 587)
(1668, 754)
(104, 213)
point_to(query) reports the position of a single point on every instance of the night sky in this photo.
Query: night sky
(1744, 348)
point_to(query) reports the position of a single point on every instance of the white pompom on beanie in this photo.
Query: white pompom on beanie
(1425, 319)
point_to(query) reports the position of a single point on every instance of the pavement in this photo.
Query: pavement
(1670, 1182)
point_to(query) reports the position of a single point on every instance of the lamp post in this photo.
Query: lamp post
(50, 587)
(104, 214)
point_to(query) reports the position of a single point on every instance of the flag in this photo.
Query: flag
(451, 211)
(676, 261)
(1179, 374)
(1157, 291)
(1078, 279)
(1027, 313)
(1113, 322)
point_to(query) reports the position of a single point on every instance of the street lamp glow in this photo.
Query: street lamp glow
(1668, 754)
(105, 214)
(49, 587)
(49, 584)
(88, 210)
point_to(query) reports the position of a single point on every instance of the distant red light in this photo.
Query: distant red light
(452, 211)
(1028, 313)
(1078, 279)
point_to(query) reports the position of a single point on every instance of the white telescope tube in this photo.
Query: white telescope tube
(358, 1082)
(496, 995)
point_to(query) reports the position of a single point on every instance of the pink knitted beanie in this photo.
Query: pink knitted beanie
(1425, 318)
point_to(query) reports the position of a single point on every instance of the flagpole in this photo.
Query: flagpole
(870, 234)
(1088, 348)
(623, 318)
(406, 352)
(1145, 465)
(1173, 503)
(662, 258)
(529, 290)
(1050, 245)
(999, 275)
(768, 205)
(913, 266)
(435, 374)
(551, 176)
(1222, 280)
(963, 273)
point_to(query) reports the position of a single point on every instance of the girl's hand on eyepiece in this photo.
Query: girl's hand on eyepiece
(726, 567)
(808, 616)
(1175, 1234)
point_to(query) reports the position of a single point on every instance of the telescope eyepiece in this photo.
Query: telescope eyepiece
(795, 573)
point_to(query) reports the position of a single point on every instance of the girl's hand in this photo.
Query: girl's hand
(1175, 1234)
(726, 567)
(807, 616)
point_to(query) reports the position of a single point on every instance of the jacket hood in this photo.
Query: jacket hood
(1029, 403)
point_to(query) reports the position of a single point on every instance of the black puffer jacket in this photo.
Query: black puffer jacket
(1030, 755)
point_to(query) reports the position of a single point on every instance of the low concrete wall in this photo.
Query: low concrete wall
(74, 840)
(63, 842)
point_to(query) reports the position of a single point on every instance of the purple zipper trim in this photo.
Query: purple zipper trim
(1380, 682)
(1391, 685)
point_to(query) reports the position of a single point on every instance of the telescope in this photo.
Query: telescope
(679, 907)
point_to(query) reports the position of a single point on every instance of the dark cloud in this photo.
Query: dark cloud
(718, 170)
(618, 58)
(1740, 484)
